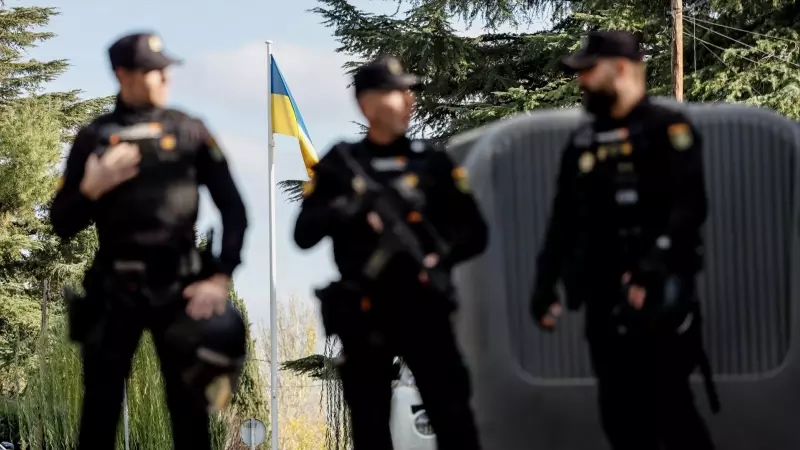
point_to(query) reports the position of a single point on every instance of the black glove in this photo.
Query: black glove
(348, 209)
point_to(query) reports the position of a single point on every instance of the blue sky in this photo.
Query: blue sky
(223, 81)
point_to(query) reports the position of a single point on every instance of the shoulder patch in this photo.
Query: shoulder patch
(60, 183)
(214, 150)
(586, 162)
(680, 136)
(461, 179)
(168, 142)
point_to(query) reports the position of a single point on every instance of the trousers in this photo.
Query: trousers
(128, 309)
(421, 333)
(645, 398)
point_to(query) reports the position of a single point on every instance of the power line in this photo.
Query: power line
(768, 55)
(706, 43)
(777, 38)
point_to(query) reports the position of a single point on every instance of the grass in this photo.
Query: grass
(48, 409)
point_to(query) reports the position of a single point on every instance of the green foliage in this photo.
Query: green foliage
(29, 132)
(41, 380)
(33, 128)
(338, 434)
(323, 367)
(293, 189)
(249, 400)
(735, 51)
(319, 367)
(19, 76)
(49, 406)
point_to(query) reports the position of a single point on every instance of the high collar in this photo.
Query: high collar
(640, 108)
(397, 147)
(124, 110)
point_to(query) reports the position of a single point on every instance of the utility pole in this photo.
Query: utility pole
(677, 49)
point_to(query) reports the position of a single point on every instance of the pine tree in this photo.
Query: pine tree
(474, 80)
(34, 126)
(249, 400)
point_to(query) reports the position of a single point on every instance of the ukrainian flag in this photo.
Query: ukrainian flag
(286, 118)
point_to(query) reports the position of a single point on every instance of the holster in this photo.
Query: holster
(84, 314)
(345, 308)
(674, 319)
(123, 283)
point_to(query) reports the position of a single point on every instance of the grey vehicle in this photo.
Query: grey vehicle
(536, 390)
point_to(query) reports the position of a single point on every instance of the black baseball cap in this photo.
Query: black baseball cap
(139, 51)
(604, 44)
(383, 74)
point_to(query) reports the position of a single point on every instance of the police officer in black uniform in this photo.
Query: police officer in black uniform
(135, 173)
(405, 316)
(625, 239)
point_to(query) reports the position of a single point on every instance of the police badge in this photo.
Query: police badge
(586, 162)
(460, 179)
(680, 135)
(395, 68)
(155, 44)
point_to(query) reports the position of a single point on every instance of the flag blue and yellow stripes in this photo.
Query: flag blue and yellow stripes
(286, 118)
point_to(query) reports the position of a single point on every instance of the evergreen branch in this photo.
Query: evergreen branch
(293, 189)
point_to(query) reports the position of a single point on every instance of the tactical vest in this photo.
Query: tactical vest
(160, 204)
(411, 180)
(608, 190)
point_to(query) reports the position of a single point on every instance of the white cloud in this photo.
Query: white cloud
(229, 91)
(238, 78)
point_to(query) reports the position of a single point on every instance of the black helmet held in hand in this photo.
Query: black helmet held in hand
(219, 348)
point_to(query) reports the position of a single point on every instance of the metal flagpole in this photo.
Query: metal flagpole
(273, 269)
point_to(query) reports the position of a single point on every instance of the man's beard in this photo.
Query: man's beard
(599, 102)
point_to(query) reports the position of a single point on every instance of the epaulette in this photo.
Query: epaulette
(174, 114)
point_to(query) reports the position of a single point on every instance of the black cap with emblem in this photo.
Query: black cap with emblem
(139, 51)
(383, 74)
(604, 44)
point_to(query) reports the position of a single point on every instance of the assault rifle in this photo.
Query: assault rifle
(388, 202)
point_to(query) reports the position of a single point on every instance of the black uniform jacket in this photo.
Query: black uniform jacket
(630, 198)
(155, 211)
(449, 206)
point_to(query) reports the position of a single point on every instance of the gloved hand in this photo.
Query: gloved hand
(545, 309)
(350, 208)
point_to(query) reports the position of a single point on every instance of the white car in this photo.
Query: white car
(409, 423)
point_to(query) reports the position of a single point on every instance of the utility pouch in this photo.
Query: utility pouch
(345, 308)
(83, 315)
